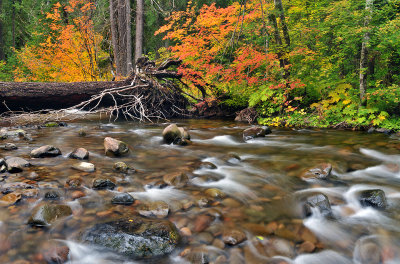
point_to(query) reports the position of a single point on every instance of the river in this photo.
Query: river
(257, 187)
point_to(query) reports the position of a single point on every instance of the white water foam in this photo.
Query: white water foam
(167, 194)
(323, 257)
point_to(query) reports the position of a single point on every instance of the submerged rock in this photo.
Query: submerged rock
(45, 151)
(233, 237)
(374, 198)
(47, 214)
(178, 179)
(52, 195)
(176, 135)
(103, 183)
(121, 167)
(255, 132)
(84, 166)
(318, 202)
(115, 147)
(321, 171)
(9, 146)
(79, 153)
(135, 238)
(10, 199)
(157, 209)
(123, 198)
(16, 164)
(367, 251)
(74, 182)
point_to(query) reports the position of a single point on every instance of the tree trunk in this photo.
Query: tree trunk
(122, 36)
(139, 29)
(129, 37)
(114, 36)
(38, 96)
(13, 24)
(281, 14)
(364, 52)
(2, 56)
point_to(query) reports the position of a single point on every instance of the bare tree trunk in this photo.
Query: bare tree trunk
(122, 36)
(139, 29)
(114, 36)
(281, 14)
(13, 24)
(129, 37)
(2, 56)
(364, 52)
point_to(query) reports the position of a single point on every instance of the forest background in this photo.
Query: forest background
(298, 63)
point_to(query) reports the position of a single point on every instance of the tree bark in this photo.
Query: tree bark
(122, 36)
(129, 36)
(139, 29)
(281, 14)
(114, 36)
(364, 52)
(38, 96)
(2, 56)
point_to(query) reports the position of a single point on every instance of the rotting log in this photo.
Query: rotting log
(34, 96)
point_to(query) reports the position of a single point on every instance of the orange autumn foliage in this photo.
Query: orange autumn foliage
(71, 49)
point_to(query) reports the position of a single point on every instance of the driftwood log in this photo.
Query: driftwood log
(149, 92)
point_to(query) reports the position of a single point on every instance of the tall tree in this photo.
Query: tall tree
(139, 29)
(2, 57)
(364, 51)
(120, 16)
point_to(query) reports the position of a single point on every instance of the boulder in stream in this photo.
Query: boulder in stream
(375, 198)
(115, 147)
(16, 164)
(321, 171)
(123, 198)
(84, 166)
(176, 135)
(103, 183)
(9, 146)
(79, 153)
(318, 202)
(157, 209)
(135, 238)
(45, 151)
(255, 132)
(46, 214)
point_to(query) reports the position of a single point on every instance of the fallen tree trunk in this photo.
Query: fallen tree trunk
(148, 93)
(39, 96)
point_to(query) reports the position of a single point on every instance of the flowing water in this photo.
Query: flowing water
(262, 193)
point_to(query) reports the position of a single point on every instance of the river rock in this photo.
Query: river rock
(178, 179)
(320, 202)
(3, 165)
(52, 195)
(9, 146)
(79, 153)
(103, 183)
(16, 164)
(123, 198)
(176, 135)
(74, 182)
(255, 132)
(46, 214)
(157, 209)
(375, 198)
(208, 165)
(215, 193)
(84, 166)
(56, 254)
(233, 237)
(121, 167)
(115, 147)
(134, 238)
(367, 251)
(15, 186)
(45, 151)
(321, 171)
(10, 199)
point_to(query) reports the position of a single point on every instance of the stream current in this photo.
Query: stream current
(256, 187)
